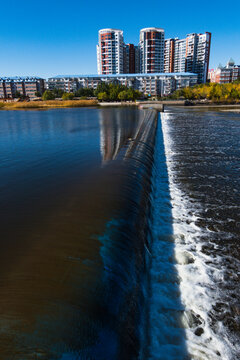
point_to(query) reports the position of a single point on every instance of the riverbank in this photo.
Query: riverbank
(47, 104)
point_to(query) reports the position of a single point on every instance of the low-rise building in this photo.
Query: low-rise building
(67, 84)
(11, 87)
(226, 74)
(153, 84)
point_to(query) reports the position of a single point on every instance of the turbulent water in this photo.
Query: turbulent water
(200, 293)
(119, 235)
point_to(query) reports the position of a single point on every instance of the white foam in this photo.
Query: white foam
(196, 280)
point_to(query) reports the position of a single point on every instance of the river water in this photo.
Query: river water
(202, 152)
(119, 234)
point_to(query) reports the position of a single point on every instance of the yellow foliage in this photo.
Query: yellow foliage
(216, 92)
(47, 104)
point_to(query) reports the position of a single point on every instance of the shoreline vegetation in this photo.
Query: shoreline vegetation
(51, 104)
(228, 93)
(203, 95)
(47, 104)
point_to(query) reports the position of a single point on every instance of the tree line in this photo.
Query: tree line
(103, 92)
(229, 92)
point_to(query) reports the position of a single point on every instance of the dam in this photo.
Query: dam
(112, 243)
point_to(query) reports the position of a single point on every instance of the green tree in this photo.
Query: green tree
(123, 95)
(58, 93)
(67, 96)
(137, 94)
(37, 94)
(103, 96)
(131, 94)
(113, 95)
(102, 88)
(87, 92)
(48, 95)
(234, 94)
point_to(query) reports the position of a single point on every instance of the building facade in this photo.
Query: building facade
(179, 55)
(153, 54)
(151, 47)
(169, 50)
(129, 58)
(69, 85)
(11, 87)
(152, 84)
(198, 54)
(110, 52)
(190, 54)
(224, 75)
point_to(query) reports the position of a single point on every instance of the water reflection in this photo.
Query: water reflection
(117, 128)
(58, 299)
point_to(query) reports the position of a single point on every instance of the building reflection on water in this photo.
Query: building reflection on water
(116, 131)
(56, 201)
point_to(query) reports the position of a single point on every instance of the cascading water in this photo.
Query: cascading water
(193, 241)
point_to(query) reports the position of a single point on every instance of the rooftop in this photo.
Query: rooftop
(109, 30)
(20, 78)
(153, 29)
(122, 75)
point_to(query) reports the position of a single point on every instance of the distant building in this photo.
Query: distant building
(28, 86)
(69, 85)
(226, 74)
(151, 46)
(131, 59)
(169, 50)
(137, 59)
(198, 54)
(179, 55)
(152, 84)
(153, 54)
(110, 51)
(190, 54)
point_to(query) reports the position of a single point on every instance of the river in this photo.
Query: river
(119, 234)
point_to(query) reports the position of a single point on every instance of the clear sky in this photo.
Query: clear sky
(48, 38)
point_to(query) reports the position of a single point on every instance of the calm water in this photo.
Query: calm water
(119, 235)
(70, 253)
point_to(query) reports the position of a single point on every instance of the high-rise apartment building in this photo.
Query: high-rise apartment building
(153, 54)
(197, 55)
(179, 55)
(190, 54)
(151, 46)
(137, 59)
(110, 51)
(169, 50)
(131, 59)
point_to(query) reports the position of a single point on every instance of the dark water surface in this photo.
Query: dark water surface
(71, 253)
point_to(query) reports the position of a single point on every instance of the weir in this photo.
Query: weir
(75, 240)
(151, 105)
(84, 239)
(126, 270)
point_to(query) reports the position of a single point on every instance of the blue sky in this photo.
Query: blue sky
(48, 37)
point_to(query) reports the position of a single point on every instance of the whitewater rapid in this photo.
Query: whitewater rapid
(183, 277)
